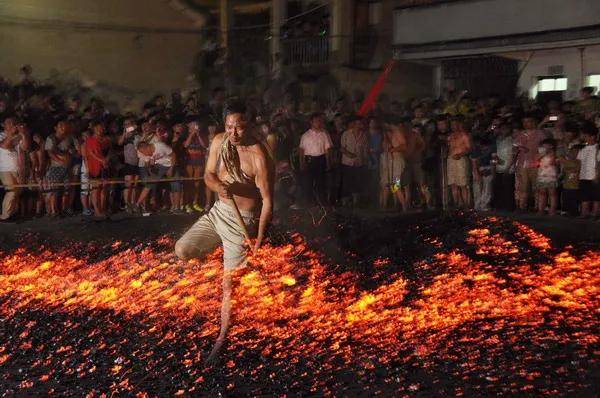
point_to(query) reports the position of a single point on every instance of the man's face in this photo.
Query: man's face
(98, 129)
(419, 113)
(61, 129)
(235, 127)
(528, 123)
(456, 125)
(9, 126)
(505, 130)
(442, 126)
(193, 127)
(585, 94)
(589, 139)
(317, 123)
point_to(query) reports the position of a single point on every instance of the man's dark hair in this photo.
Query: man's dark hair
(549, 141)
(234, 106)
(589, 128)
(315, 115)
(589, 90)
(218, 90)
(572, 126)
(96, 122)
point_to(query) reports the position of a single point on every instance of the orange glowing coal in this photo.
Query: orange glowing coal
(290, 308)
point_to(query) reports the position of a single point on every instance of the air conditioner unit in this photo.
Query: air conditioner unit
(556, 70)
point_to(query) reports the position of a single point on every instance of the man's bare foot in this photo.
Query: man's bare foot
(214, 353)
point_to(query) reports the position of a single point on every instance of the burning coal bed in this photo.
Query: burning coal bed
(465, 307)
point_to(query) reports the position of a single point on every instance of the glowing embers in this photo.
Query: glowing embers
(141, 322)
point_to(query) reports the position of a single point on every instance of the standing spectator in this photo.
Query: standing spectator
(97, 147)
(60, 149)
(503, 192)
(14, 145)
(481, 160)
(37, 158)
(131, 171)
(196, 146)
(570, 167)
(547, 177)
(334, 177)
(375, 151)
(355, 150)
(392, 166)
(589, 176)
(413, 174)
(159, 160)
(314, 155)
(587, 103)
(459, 146)
(526, 145)
(177, 170)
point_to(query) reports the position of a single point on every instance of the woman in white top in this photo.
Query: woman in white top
(13, 148)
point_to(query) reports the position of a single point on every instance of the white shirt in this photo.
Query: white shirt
(589, 156)
(504, 150)
(8, 158)
(315, 142)
(161, 156)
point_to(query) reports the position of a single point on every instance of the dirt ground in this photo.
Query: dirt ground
(563, 231)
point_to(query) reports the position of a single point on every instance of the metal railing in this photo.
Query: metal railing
(306, 51)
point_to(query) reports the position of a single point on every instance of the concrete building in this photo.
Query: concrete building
(129, 50)
(125, 50)
(538, 47)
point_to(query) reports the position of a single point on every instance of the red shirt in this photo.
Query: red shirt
(95, 148)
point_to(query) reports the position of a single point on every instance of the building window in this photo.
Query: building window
(593, 81)
(557, 83)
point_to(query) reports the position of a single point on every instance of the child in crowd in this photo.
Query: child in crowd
(589, 186)
(483, 175)
(570, 181)
(159, 161)
(547, 177)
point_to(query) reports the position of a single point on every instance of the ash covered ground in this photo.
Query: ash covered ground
(466, 305)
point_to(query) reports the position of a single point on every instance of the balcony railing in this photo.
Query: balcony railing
(306, 51)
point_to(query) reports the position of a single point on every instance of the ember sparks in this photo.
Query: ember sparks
(504, 314)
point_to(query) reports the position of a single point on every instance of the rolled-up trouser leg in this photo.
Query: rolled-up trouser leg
(219, 225)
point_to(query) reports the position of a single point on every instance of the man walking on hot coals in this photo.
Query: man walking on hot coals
(238, 170)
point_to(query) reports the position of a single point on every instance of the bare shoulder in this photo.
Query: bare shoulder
(218, 139)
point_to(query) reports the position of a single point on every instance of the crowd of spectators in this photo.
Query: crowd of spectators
(487, 153)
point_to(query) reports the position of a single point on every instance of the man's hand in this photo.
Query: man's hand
(256, 243)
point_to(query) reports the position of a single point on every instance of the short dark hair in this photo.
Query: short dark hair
(549, 141)
(589, 90)
(315, 115)
(234, 106)
(589, 128)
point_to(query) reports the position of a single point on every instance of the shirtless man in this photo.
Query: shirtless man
(237, 170)
(459, 146)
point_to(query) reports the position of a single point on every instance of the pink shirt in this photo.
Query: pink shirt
(531, 140)
(315, 142)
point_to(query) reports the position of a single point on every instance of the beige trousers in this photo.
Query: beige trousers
(218, 226)
(11, 195)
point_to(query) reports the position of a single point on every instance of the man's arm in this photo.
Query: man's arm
(264, 183)
(210, 173)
